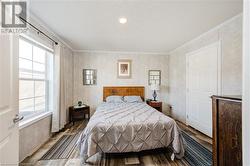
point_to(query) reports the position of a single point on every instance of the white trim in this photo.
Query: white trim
(246, 87)
(219, 74)
(33, 120)
(219, 67)
(187, 90)
(119, 52)
(36, 43)
(204, 34)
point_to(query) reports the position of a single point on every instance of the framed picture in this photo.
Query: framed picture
(124, 68)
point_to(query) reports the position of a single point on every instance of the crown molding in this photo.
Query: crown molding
(119, 52)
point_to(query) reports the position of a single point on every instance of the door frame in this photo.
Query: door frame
(219, 80)
(246, 83)
(13, 103)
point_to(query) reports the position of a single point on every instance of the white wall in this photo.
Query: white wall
(246, 87)
(106, 65)
(230, 35)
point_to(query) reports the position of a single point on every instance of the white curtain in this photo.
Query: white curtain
(62, 89)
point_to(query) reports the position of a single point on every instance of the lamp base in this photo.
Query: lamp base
(154, 95)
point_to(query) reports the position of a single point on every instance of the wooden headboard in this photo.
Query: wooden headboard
(123, 91)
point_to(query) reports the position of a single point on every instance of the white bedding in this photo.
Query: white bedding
(129, 127)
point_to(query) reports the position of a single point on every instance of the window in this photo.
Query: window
(34, 67)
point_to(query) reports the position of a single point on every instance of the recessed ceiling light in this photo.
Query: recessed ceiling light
(123, 20)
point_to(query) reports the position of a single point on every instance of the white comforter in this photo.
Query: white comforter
(129, 127)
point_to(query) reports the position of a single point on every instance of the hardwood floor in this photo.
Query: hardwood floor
(149, 158)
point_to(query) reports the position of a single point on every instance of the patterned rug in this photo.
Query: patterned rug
(63, 148)
(195, 155)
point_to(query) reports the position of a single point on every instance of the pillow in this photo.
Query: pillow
(114, 99)
(132, 99)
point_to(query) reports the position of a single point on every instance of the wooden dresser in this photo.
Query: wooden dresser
(227, 129)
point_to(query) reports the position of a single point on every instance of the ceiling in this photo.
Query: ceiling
(153, 25)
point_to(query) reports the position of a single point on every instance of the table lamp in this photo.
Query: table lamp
(154, 87)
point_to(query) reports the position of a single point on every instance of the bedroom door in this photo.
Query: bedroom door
(203, 81)
(9, 132)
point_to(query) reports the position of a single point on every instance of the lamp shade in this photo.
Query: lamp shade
(154, 87)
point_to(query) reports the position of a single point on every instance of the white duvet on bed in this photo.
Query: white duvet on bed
(129, 127)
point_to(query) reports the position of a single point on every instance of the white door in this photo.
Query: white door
(203, 81)
(9, 139)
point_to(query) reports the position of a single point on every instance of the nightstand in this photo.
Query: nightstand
(155, 104)
(78, 113)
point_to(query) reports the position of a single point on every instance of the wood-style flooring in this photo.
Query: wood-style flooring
(151, 158)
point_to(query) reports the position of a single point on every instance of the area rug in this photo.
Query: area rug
(195, 154)
(63, 148)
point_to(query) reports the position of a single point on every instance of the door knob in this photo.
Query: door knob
(17, 118)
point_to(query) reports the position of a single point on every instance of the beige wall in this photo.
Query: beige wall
(106, 65)
(33, 136)
(230, 35)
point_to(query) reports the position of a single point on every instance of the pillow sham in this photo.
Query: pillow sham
(114, 99)
(132, 99)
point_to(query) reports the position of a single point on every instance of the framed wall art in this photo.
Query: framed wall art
(124, 68)
(154, 77)
(89, 77)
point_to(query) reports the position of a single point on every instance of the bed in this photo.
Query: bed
(128, 127)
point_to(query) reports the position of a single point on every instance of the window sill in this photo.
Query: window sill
(34, 119)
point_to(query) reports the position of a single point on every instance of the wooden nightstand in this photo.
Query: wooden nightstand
(78, 113)
(155, 104)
